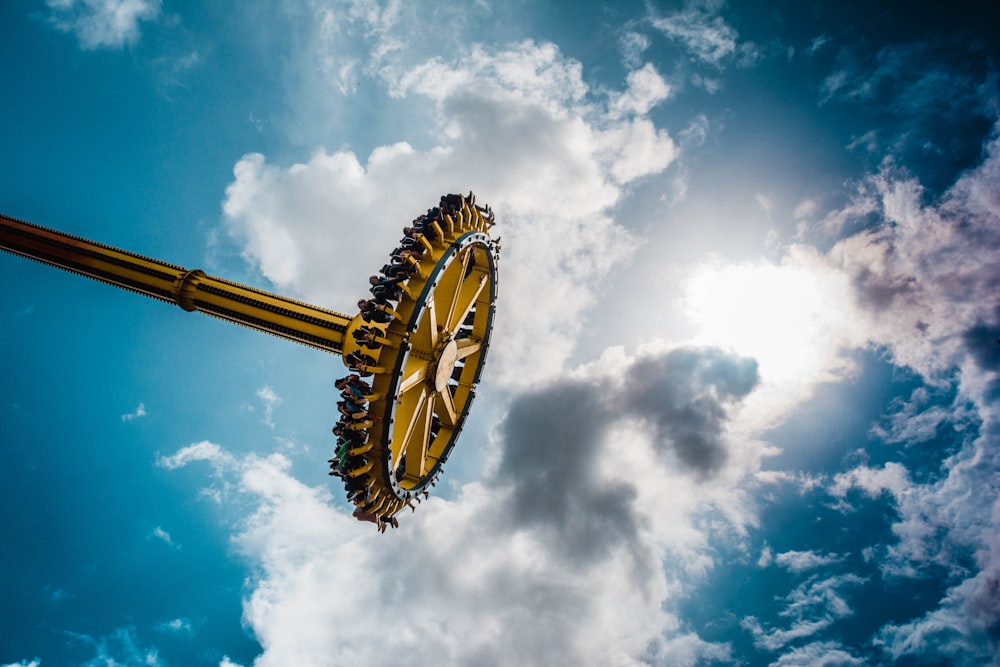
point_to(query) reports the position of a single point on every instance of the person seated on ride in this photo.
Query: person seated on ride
(353, 383)
(357, 490)
(376, 281)
(425, 226)
(354, 462)
(403, 270)
(371, 311)
(361, 359)
(452, 203)
(356, 399)
(375, 317)
(362, 515)
(388, 285)
(384, 294)
(408, 259)
(405, 255)
(367, 339)
(355, 437)
(373, 306)
(353, 413)
(363, 333)
(351, 402)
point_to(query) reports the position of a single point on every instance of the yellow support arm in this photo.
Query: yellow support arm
(191, 290)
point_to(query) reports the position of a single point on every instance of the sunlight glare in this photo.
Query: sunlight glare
(791, 317)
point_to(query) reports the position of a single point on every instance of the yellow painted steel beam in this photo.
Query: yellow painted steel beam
(192, 290)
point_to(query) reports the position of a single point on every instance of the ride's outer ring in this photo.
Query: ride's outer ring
(420, 305)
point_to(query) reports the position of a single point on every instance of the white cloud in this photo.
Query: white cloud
(927, 278)
(806, 209)
(270, 400)
(181, 626)
(632, 45)
(160, 534)
(519, 128)
(102, 23)
(709, 84)
(704, 33)
(120, 647)
(646, 89)
(892, 477)
(573, 567)
(766, 557)
(927, 274)
(818, 654)
(24, 663)
(816, 44)
(801, 561)
(140, 411)
(814, 605)
(200, 451)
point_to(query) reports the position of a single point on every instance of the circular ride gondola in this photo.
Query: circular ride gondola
(417, 350)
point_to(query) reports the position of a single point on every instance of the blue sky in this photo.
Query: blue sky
(741, 405)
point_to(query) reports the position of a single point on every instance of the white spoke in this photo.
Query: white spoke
(421, 402)
(453, 323)
(413, 379)
(449, 418)
(426, 439)
(467, 346)
(458, 288)
(417, 465)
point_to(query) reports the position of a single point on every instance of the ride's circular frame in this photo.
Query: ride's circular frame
(424, 363)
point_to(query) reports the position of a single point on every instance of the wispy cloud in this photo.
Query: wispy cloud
(927, 278)
(140, 411)
(818, 43)
(182, 626)
(160, 534)
(56, 594)
(200, 451)
(700, 28)
(270, 401)
(632, 45)
(813, 606)
(98, 24)
(815, 654)
(120, 647)
(801, 561)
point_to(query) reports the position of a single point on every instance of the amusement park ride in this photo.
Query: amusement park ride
(416, 350)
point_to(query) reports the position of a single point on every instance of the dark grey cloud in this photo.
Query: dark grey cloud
(983, 344)
(685, 395)
(555, 441)
(551, 455)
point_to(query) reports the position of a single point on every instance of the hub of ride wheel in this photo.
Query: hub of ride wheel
(444, 367)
